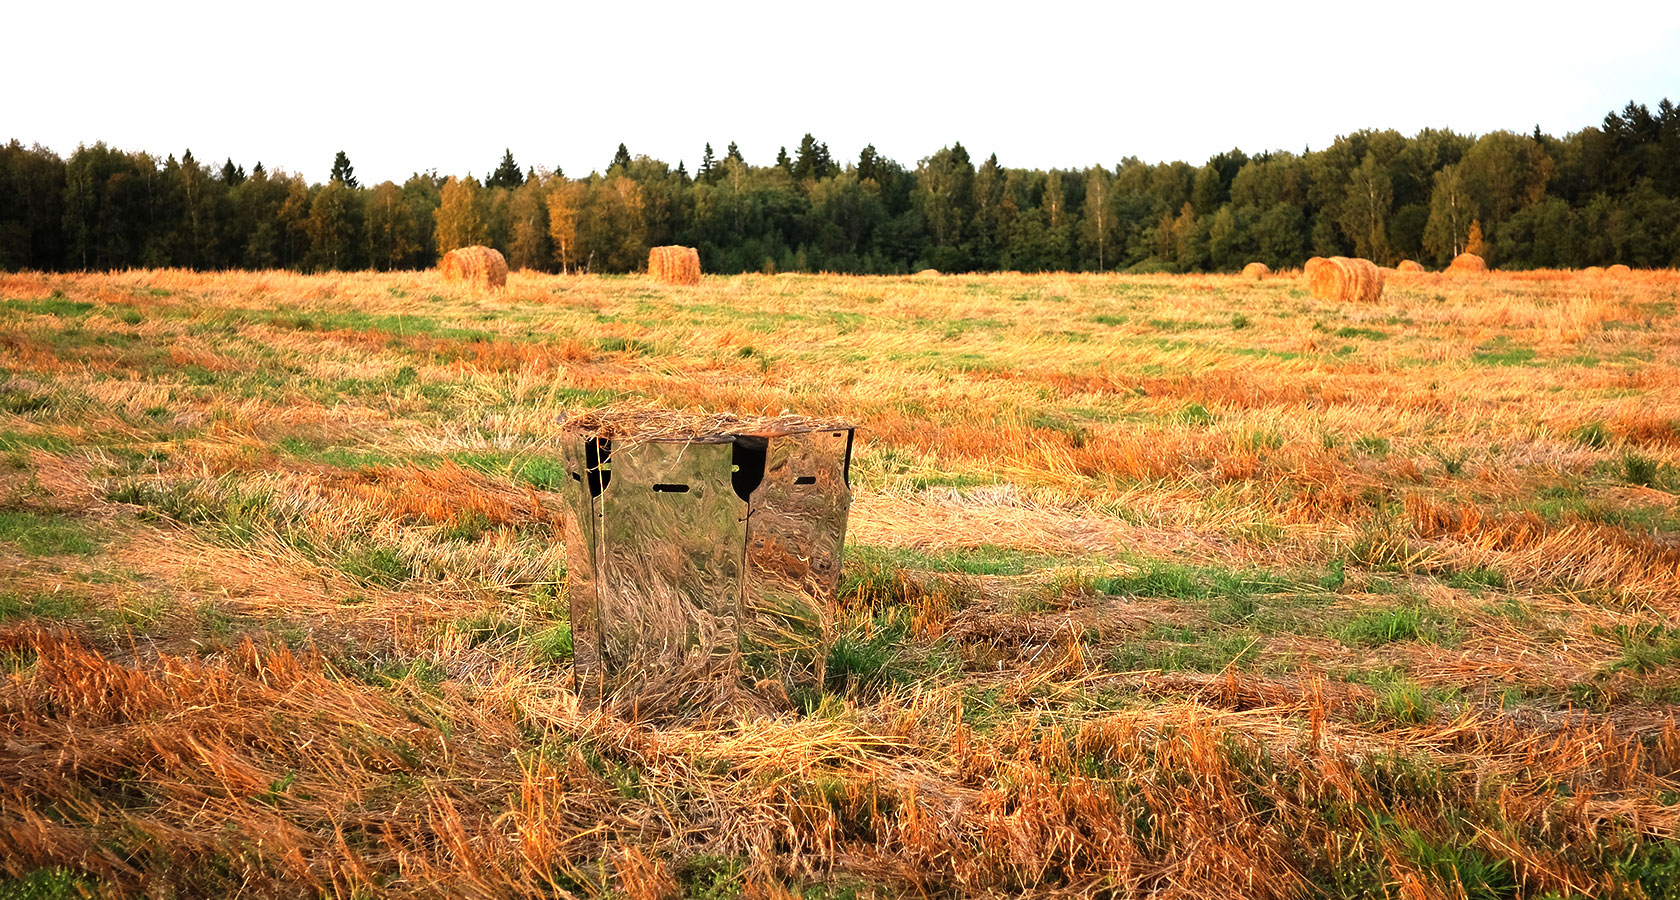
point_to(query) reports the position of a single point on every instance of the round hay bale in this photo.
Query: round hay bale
(483, 266)
(1618, 270)
(674, 265)
(1467, 263)
(1342, 279)
(1256, 270)
(928, 273)
(1409, 265)
(1593, 270)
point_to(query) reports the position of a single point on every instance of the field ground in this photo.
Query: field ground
(1176, 586)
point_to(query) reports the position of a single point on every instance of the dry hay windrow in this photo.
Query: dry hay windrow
(483, 266)
(1409, 265)
(1467, 263)
(1256, 270)
(674, 265)
(1342, 279)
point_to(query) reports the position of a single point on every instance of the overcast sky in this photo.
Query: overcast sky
(417, 86)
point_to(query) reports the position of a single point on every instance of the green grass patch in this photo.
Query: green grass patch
(1172, 649)
(21, 401)
(1502, 352)
(55, 606)
(1193, 414)
(1647, 649)
(50, 884)
(553, 645)
(1158, 578)
(1594, 434)
(1476, 579)
(56, 305)
(868, 563)
(44, 534)
(1396, 624)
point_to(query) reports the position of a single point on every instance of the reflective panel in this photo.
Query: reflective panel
(796, 527)
(718, 556)
(670, 549)
(581, 518)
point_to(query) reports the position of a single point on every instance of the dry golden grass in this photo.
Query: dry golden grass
(1156, 586)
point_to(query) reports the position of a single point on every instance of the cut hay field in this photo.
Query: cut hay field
(1175, 586)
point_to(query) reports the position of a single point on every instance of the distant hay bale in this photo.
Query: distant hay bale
(928, 273)
(1256, 270)
(674, 265)
(1468, 264)
(1343, 279)
(1409, 265)
(1618, 270)
(482, 266)
(1593, 270)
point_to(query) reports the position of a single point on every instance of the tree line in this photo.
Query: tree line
(1601, 195)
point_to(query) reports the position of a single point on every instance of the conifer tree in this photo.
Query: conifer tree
(507, 174)
(708, 162)
(343, 172)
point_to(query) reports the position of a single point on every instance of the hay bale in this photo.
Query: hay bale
(1409, 265)
(674, 265)
(928, 273)
(1467, 264)
(1593, 270)
(1256, 270)
(483, 266)
(1342, 279)
(1618, 270)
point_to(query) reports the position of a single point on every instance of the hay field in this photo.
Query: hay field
(1155, 586)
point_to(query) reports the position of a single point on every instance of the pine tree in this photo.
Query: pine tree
(343, 172)
(869, 164)
(734, 153)
(782, 160)
(807, 165)
(621, 159)
(507, 174)
(232, 175)
(708, 162)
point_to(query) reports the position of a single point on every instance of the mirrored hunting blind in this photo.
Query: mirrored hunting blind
(702, 551)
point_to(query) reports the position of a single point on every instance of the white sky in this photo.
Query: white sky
(416, 86)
